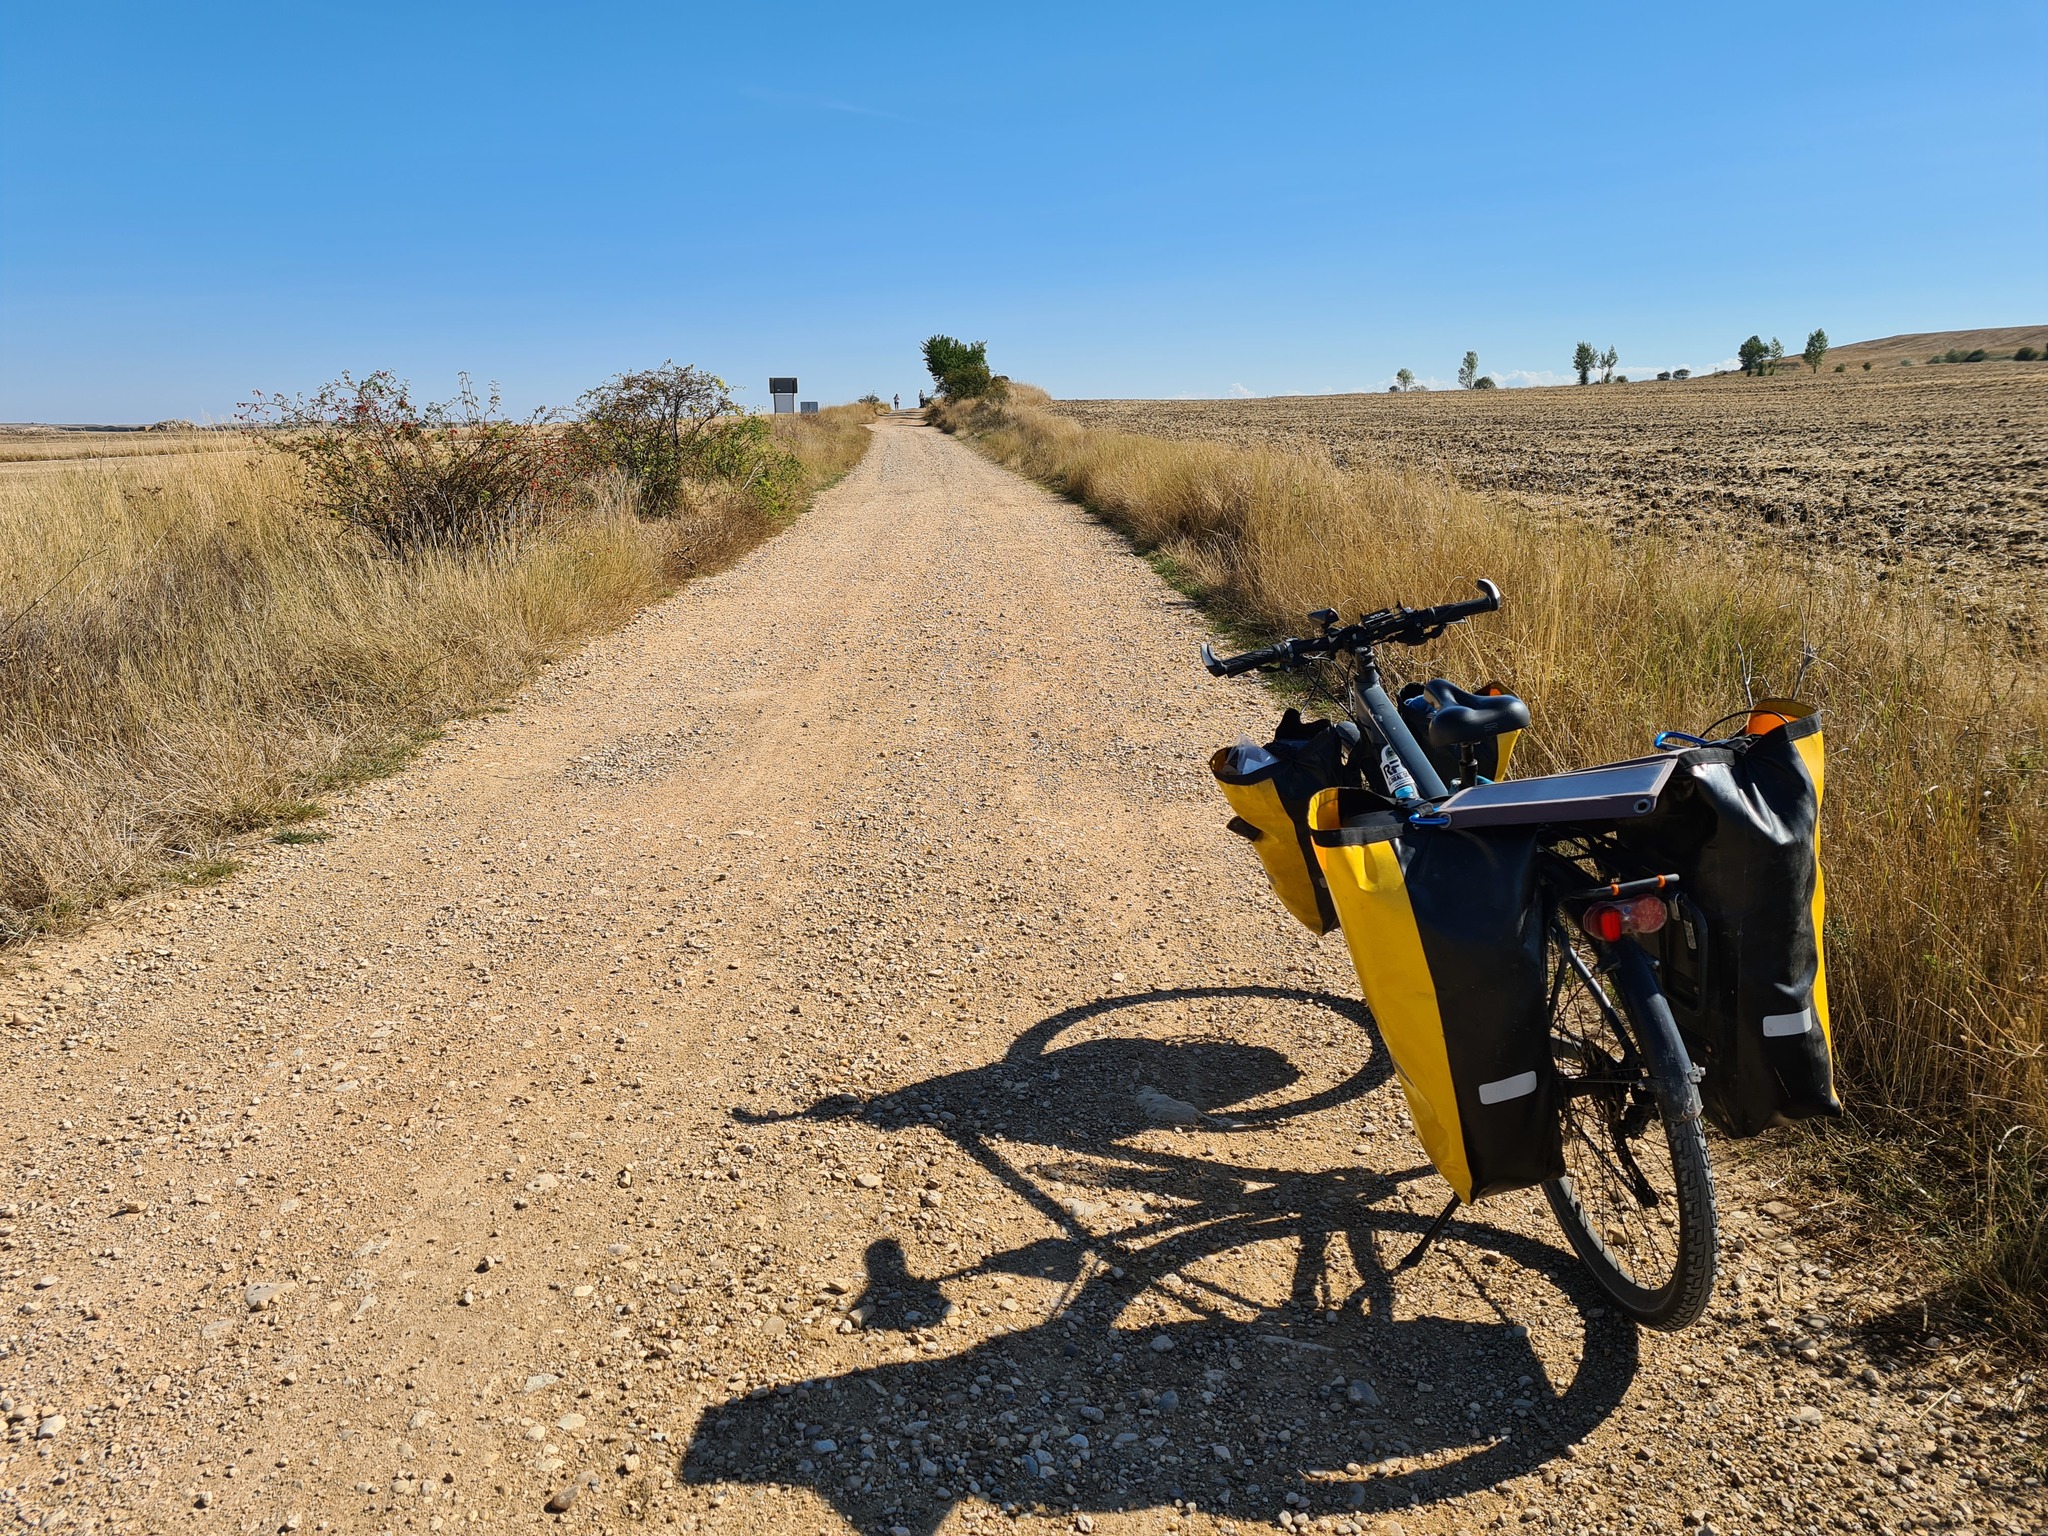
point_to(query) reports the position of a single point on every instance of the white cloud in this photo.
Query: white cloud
(1238, 391)
(1529, 378)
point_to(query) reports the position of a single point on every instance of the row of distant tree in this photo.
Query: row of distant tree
(1469, 377)
(1759, 357)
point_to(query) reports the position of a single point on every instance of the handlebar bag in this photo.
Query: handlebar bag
(1743, 965)
(1271, 802)
(1446, 932)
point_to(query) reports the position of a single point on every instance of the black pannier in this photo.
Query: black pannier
(1742, 965)
(1446, 933)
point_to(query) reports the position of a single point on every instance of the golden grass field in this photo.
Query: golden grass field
(1936, 833)
(1945, 466)
(186, 654)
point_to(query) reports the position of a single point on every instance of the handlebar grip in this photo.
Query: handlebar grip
(1489, 602)
(1231, 666)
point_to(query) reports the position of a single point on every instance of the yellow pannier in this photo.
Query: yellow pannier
(1270, 788)
(1743, 966)
(1445, 929)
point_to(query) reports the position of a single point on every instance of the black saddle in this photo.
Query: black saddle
(1465, 719)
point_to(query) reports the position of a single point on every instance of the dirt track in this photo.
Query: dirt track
(716, 1088)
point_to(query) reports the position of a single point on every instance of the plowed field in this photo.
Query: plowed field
(1944, 465)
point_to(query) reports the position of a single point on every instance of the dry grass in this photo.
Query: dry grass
(1936, 834)
(1931, 466)
(185, 654)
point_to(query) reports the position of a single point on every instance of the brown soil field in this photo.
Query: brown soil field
(25, 449)
(1943, 466)
(2000, 341)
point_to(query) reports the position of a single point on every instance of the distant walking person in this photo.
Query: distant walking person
(895, 402)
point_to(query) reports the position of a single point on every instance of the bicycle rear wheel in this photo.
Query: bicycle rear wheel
(1637, 1198)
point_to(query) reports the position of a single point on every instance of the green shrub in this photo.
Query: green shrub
(654, 429)
(1976, 356)
(741, 452)
(2025, 355)
(959, 368)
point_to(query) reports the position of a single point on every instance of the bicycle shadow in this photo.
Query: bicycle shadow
(1235, 1402)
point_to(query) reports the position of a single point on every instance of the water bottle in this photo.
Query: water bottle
(1400, 782)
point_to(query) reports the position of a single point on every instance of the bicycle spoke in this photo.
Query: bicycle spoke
(1620, 1171)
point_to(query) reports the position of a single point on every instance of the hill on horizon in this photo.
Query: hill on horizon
(1999, 341)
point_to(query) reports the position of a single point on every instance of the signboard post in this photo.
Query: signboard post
(807, 408)
(783, 393)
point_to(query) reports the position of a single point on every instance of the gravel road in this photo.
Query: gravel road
(817, 1061)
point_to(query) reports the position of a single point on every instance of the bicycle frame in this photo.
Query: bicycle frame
(1369, 703)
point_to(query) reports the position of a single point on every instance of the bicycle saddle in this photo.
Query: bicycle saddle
(1464, 719)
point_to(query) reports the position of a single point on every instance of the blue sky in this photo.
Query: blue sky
(1177, 199)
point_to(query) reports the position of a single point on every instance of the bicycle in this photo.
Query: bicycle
(1633, 1187)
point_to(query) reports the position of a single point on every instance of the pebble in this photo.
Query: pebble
(868, 1180)
(562, 1498)
(51, 1427)
(1361, 1393)
(1808, 1415)
(1165, 1109)
(261, 1298)
(570, 1423)
(46, 1282)
(1161, 1343)
(543, 1379)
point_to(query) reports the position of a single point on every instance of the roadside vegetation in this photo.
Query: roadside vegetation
(194, 646)
(1936, 838)
(959, 369)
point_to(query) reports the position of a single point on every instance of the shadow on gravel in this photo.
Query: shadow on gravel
(1238, 1407)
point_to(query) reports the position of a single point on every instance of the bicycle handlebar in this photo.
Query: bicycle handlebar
(1397, 626)
(1280, 655)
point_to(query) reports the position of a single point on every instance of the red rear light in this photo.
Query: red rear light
(1607, 921)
